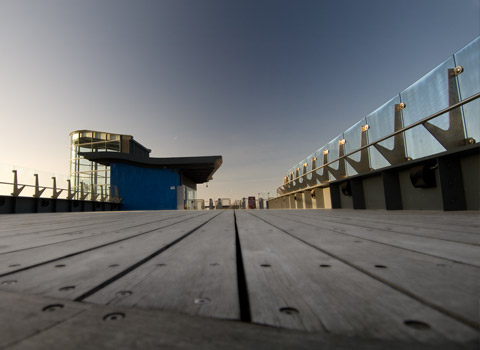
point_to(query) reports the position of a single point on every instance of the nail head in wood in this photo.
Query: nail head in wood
(417, 324)
(52, 308)
(6, 283)
(201, 301)
(115, 316)
(289, 310)
(67, 288)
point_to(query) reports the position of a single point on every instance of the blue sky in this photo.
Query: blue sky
(263, 83)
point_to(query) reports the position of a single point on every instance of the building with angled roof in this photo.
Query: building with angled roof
(103, 162)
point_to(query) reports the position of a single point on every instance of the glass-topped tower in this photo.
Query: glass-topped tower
(93, 175)
(101, 162)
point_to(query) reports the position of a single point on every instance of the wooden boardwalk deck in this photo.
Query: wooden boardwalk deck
(264, 279)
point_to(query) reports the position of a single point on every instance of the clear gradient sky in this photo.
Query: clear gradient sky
(264, 83)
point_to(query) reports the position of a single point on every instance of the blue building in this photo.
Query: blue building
(143, 182)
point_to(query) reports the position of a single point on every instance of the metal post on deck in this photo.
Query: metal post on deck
(102, 197)
(116, 199)
(83, 195)
(339, 173)
(454, 136)
(55, 193)
(37, 194)
(94, 196)
(38, 191)
(16, 189)
(70, 194)
(397, 154)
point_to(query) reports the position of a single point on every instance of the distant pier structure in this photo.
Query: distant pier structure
(419, 150)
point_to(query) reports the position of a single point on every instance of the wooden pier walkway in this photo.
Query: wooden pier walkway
(243, 279)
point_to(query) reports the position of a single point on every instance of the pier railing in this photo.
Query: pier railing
(450, 141)
(54, 192)
(419, 150)
(440, 112)
(25, 190)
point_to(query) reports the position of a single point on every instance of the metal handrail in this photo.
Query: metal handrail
(402, 130)
(53, 188)
(26, 185)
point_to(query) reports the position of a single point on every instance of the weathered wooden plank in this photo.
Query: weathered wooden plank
(441, 283)
(23, 317)
(453, 251)
(19, 242)
(14, 261)
(118, 328)
(52, 225)
(11, 224)
(369, 221)
(21, 221)
(462, 218)
(74, 220)
(461, 221)
(73, 277)
(197, 276)
(288, 288)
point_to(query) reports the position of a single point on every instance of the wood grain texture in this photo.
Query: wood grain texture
(17, 260)
(72, 277)
(461, 221)
(196, 276)
(449, 286)
(430, 227)
(22, 317)
(458, 252)
(83, 327)
(33, 222)
(45, 236)
(343, 279)
(340, 299)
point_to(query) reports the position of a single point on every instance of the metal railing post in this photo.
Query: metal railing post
(83, 195)
(38, 191)
(55, 193)
(70, 193)
(16, 190)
